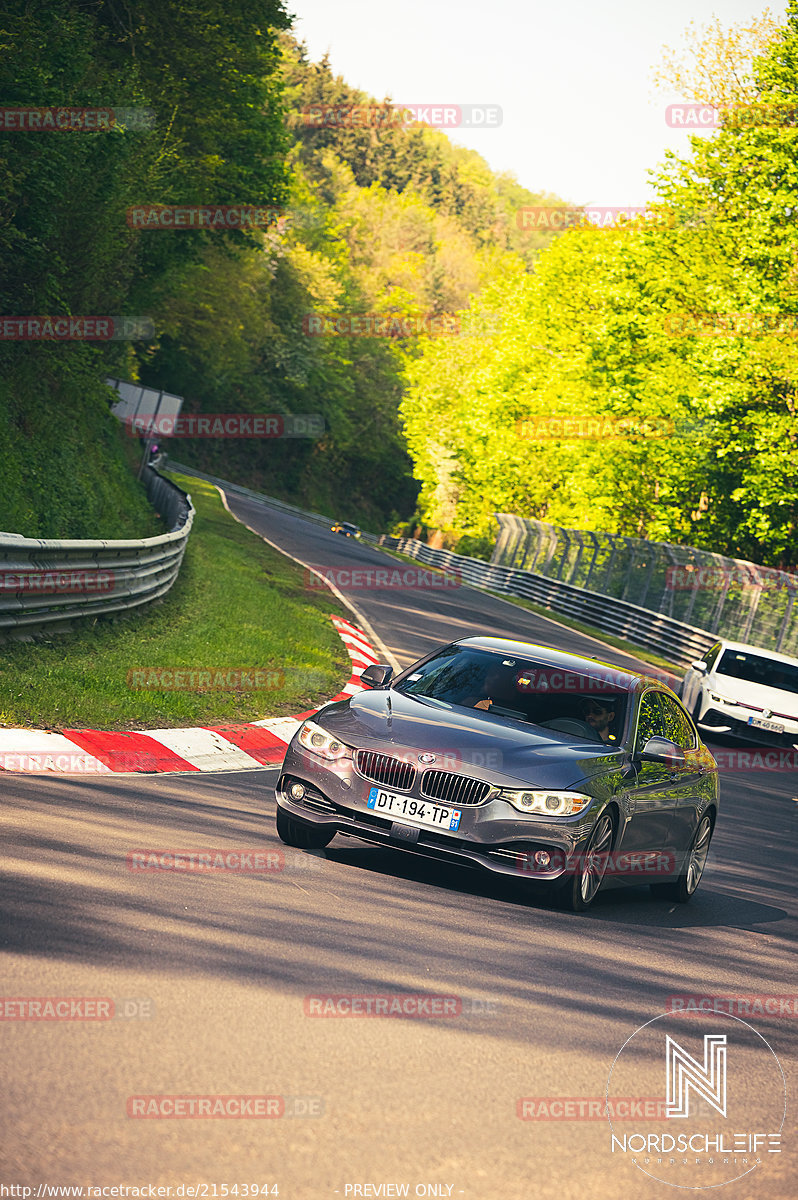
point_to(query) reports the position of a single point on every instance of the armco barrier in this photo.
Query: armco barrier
(43, 580)
(728, 597)
(236, 488)
(675, 641)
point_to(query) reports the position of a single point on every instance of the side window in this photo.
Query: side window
(649, 721)
(677, 726)
(710, 657)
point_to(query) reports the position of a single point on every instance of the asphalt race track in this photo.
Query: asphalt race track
(213, 977)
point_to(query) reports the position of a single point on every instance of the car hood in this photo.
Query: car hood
(773, 698)
(496, 749)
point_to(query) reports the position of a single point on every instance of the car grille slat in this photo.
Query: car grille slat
(385, 769)
(453, 788)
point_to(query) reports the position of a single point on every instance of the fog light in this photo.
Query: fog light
(542, 859)
(296, 791)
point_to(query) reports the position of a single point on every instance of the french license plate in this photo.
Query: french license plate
(417, 812)
(761, 723)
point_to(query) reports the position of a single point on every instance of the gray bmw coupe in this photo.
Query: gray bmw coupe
(514, 758)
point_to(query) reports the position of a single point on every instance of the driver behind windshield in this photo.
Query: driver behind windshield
(599, 714)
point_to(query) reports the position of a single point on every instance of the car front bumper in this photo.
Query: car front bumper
(492, 835)
(718, 717)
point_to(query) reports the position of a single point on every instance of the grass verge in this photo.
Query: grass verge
(237, 603)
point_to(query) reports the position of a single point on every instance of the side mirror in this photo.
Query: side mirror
(378, 675)
(662, 750)
(700, 665)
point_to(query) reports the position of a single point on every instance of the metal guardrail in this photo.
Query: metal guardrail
(43, 580)
(676, 641)
(226, 486)
(726, 597)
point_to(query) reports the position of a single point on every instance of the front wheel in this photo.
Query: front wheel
(304, 837)
(580, 890)
(683, 888)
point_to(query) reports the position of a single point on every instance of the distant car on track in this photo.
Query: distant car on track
(514, 758)
(346, 528)
(746, 692)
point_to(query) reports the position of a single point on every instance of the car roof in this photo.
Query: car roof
(620, 677)
(745, 648)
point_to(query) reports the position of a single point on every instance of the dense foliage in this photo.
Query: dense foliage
(611, 326)
(392, 220)
(208, 74)
(395, 220)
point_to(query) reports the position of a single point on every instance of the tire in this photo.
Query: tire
(683, 889)
(304, 837)
(696, 709)
(581, 888)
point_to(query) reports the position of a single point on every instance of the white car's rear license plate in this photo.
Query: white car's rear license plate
(761, 723)
(417, 812)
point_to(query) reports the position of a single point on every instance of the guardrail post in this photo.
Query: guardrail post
(785, 623)
(56, 580)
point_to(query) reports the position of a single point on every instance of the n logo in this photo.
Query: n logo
(684, 1072)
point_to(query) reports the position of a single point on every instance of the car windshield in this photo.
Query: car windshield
(570, 703)
(754, 668)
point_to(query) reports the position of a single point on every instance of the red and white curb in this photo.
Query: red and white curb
(204, 748)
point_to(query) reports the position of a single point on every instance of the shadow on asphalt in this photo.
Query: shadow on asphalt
(621, 903)
(356, 918)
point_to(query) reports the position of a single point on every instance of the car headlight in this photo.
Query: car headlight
(722, 699)
(320, 742)
(550, 804)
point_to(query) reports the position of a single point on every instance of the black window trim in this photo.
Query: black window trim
(650, 691)
(684, 713)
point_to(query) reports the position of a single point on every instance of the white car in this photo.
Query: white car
(744, 691)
